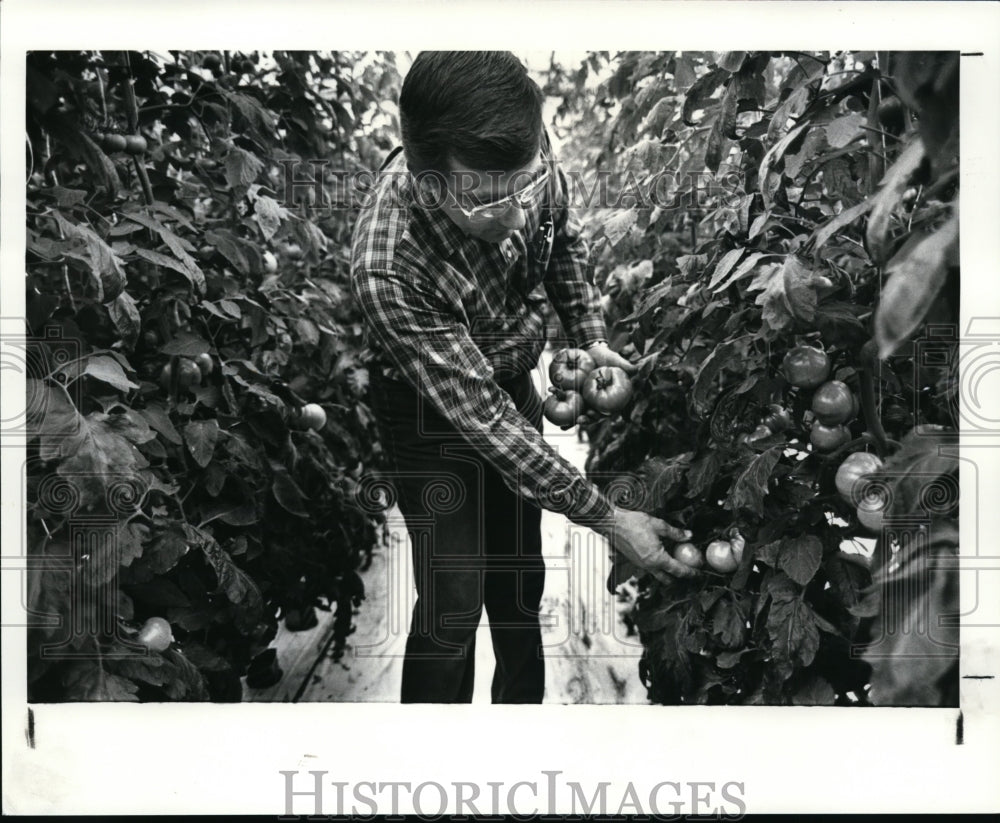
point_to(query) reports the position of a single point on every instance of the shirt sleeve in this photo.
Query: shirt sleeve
(436, 354)
(568, 281)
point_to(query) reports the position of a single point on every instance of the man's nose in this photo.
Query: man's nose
(513, 217)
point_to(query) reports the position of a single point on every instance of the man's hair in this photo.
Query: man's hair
(478, 107)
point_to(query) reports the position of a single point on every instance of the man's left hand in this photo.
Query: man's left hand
(604, 356)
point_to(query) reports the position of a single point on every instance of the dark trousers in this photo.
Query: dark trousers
(475, 543)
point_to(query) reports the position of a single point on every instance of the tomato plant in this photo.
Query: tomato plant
(850, 472)
(185, 301)
(778, 225)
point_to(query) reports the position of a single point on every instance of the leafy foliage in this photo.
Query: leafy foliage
(185, 308)
(754, 202)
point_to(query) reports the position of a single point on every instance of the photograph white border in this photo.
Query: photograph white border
(221, 758)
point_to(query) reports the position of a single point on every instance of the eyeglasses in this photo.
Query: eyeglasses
(522, 199)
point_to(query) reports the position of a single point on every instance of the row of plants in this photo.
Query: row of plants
(196, 379)
(781, 254)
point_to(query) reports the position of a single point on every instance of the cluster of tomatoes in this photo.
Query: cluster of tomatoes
(191, 372)
(579, 385)
(833, 403)
(723, 556)
(833, 406)
(113, 142)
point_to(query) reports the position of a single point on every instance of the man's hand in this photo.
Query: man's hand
(604, 356)
(638, 537)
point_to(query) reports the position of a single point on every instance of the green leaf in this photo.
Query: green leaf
(156, 416)
(884, 203)
(187, 344)
(151, 669)
(816, 691)
(800, 297)
(845, 130)
(750, 487)
(177, 246)
(88, 681)
(774, 154)
(701, 91)
(99, 255)
(230, 247)
(728, 623)
(731, 61)
(849, 576)
(268, 213)
(619, 225)
(725, 355)
(725, 265)
(724, 128)
(793, 633)
(768, 553)
(916, 275)
(109, 370)
(800, 557)
(235, 583)
(242, 168)
(742, 270)
(166, 550)
(97, 457)
(787, 292)
(201, 437)
(124, 313)
(187, 682)
(703, 473)
(288, 494)
(168, 262)
(812, 144)
(845, 218)
(661, 477)
(259, 119)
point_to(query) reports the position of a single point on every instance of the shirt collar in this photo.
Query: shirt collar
(446, 234)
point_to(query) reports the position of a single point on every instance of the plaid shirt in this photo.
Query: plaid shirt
(451, 315)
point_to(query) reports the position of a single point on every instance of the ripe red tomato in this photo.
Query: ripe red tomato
(135, 143)
(563, 407)
(854, 467)
(570, 367)
(689, 554)
(113, 142)
(188, 375)
(828, 438)
(155, 634)
(312, 416)
(205, 364)
(833, 403)
(607, 389)
(806, 367)
(719, 556)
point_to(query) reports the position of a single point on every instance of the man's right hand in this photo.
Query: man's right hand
(639, 537)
